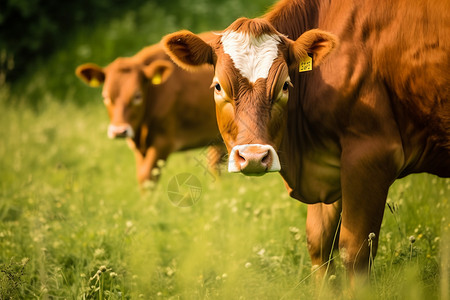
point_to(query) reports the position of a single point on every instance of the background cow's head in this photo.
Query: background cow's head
(252, 64)
(126, 92)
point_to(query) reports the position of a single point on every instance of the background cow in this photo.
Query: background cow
(341, 113)
(157, 106)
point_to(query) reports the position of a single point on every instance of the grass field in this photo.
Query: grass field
(74, 224)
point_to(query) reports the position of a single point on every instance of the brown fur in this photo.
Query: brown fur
(374, 108)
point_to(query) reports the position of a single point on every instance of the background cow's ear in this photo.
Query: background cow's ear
(188, 50)
(91, 74)
(314, 43)
(158, 71)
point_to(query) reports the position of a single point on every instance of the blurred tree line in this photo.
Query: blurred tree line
(42, 41)
(31, 29)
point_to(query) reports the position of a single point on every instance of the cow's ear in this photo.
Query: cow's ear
(188, 50)
(314, 44)
(91, 74)
(158, 71)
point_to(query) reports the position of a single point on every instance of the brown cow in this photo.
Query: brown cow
(341, 113)
(157, 106)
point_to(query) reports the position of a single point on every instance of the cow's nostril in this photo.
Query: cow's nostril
(241, 159)
(265, 160)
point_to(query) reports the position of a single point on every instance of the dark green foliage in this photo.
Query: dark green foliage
(42, 42)
(32, 30)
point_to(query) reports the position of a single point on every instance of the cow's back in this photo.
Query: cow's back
(413, 58)
(183, 107)
(194, 108)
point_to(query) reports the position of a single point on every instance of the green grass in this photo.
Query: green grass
(69, 204)
(74, 225)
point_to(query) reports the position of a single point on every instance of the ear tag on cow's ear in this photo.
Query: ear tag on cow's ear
(94, 82)
(306, 64)
(157, 79)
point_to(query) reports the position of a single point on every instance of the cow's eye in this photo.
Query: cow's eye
(217, 87)
(137, 99)
(285, 86)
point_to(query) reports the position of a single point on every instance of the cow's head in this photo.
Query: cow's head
(126, 89)
(252, 64)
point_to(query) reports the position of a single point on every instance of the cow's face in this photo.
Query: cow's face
(252, 63)
(127, 89)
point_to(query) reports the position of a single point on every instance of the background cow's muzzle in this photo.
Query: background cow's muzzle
(120, 131)
(253, 159)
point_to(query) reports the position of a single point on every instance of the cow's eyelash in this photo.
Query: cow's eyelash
(216, 86)
(287, 84)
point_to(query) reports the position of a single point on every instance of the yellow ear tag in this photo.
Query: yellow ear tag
(94, 82)
(156, 79)
(305, 64)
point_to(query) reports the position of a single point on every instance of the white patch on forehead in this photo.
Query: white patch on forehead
(252, 56)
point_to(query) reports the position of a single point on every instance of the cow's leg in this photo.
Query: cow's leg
(365, 178)
(322, 224)
(371, 159)
(146, 167)
(139, 159)
(361, 221)
(142, 172)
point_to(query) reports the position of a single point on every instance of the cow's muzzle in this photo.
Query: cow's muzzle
(120, 131)
(253, 159)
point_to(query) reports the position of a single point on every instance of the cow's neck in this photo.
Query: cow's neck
(309, 151)
(309, 155)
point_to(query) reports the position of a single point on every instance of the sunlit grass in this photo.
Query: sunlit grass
(74, 225)
(70, 207)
